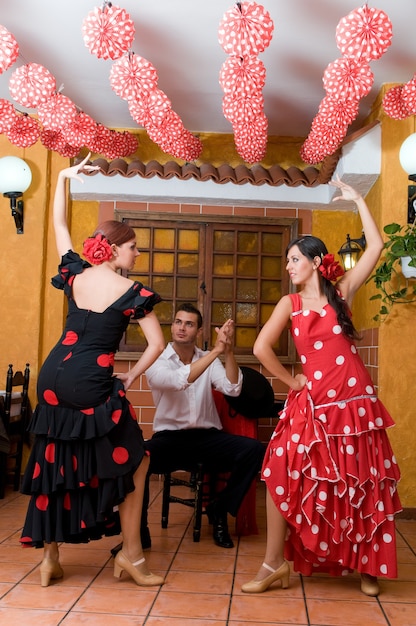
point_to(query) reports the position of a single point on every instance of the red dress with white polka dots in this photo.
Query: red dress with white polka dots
(329, 466)
(88, 443)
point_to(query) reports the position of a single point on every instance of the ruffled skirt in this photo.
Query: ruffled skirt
(337, 491)
(80, 468)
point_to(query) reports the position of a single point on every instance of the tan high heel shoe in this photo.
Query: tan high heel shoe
(122, 563)
(49, 569)
(369, 585)
(258, 586)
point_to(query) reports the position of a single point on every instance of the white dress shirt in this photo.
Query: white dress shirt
(181, 405)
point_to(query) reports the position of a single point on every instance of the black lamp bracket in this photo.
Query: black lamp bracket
(16, 207)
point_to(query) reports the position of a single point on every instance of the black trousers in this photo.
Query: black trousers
(218, 451)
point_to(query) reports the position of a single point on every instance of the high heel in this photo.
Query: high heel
(49, 569)
(258, 586)
(369, 585)
(122, 563)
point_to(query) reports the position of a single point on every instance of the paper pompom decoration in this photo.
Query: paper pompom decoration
(108, 31)
(24, 132)
(393, 104)
(9, 49)
(132, 76)
(365, 33)
(7, 115)
(31, 84)
(241, 76)
(57, 112)
(245, 30)
(346, 78)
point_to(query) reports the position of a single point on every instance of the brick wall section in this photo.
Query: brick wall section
(140, 395)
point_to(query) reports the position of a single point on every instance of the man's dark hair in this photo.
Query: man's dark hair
(188, 307)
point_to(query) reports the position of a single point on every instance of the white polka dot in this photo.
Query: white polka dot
(323, 313)
(351, 492)
(373, 471)
(387, 538)
(347, 430)
(364, 560)
(314, 529)
(337, 330)
(373, 399)
(350, 450)
(355, 548)
(317, 375)
(318, 345)
(352, 381)
(342, 405)
(371, 425)
(343, 524)
(295, 437)
(376, 547)
(379, 422)
(387, 464)
(306, 313)
(300, 449)
(298, 519)
(361, 411)
(383, 569)
(280, 490)
(331, 393)
(296, 332)
(324, 546)
(380, 506)
(303, 358)
(322, 417)
(284, 506)
(358, 537)
(353, 349)
(340, 360)
(295, 475)
(369, 389)
(322, 495)
(267, 472)
(279, 451)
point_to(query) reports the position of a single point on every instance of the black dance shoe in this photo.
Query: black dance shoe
(218, 519)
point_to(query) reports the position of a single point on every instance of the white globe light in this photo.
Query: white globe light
(407, 154)
(15, 175)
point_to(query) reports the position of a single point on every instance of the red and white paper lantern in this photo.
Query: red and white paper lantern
(150, 109)
(24, 132)
(7, 115)
(108, 31)
(393, 104)
(245, 30)
(9, 49)
(57, 112)
(242, 76)
(80, 131)
(337, 112)
(365, 33)
(31, 84)
(346, 78)
(132, 76)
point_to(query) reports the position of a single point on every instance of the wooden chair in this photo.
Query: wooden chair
(16, 413)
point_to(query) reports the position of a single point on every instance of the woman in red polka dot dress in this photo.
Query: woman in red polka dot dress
(330, 472)
(88, 465)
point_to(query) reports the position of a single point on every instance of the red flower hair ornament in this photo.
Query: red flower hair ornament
(330, 269)
(97, 249)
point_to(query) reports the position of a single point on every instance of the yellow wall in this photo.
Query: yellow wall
(32, 313)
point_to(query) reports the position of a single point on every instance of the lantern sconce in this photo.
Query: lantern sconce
(15, 178)
(407, 157)
(351, 250)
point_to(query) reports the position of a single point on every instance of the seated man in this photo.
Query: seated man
(187, 428)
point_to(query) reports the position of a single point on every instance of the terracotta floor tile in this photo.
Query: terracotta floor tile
(191, 605)
(205, 582)
(125, 601)
(181, 621)
(24, 617)
(342, 613)
(74, 576)
(102, 619)
(14, 572)
(398, 591)
(266, 608)
(406, 555)
(400, 614)
(341, 588)
(215, 562)
(57, 596)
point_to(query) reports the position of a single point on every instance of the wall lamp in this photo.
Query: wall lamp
(351, 250)
(407, 157)
(15, 178)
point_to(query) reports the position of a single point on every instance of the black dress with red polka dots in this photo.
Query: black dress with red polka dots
(88, 443)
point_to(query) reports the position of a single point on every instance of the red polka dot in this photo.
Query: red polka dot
(42, 502)
(50, 397)
(71, 337)
(62, 471)
(94, 482)
(133, 412)
(71, 280)
(122, 393)
(87, 411)
(120, 455)
(50, 452)
(67, 502)
(104, 360)
(36, 470)
(68, 356)
(83, 524)
(145, 292)
(116, 416)
(81, 484)
(128, 312)
(74, 463)
(26, 540)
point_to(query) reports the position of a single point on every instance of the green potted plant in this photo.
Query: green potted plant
(399, 255)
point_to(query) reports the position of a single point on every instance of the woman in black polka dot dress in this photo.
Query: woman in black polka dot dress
(330, 472)
(87, 467)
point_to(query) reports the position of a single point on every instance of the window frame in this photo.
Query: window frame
(290, 226)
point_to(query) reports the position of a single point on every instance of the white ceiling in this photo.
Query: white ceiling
(180, 38)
